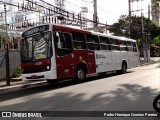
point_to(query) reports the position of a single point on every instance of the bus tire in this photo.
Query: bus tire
(80, 74)
(52, 81)
(156, 103)
(123, 68)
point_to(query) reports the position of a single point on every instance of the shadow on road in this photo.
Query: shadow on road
(127, 97)
(47, 87)
(158, 66)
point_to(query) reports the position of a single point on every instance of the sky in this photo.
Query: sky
(108, 10)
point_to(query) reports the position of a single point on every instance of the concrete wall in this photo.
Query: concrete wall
(14, 58)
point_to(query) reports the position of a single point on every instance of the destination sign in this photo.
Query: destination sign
(36, 30)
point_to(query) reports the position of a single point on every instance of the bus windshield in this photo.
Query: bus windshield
(36, 47)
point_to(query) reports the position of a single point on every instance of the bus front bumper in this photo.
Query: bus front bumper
(47, 75)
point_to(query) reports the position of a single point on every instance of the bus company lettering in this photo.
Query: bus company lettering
(99, 56)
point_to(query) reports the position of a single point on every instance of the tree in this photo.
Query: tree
(156, 0)
(121, 28)
(156, 41)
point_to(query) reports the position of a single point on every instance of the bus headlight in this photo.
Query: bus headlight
(48, 67)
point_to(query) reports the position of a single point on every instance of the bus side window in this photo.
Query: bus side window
(57, 40)
(129, 46)
(67, 41)
(115, 44)
(104, 43)
(63, 43)
(123, 45)
(134, 47)
(92, 42)
(79, 40)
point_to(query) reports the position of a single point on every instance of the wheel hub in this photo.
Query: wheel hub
(80, 74)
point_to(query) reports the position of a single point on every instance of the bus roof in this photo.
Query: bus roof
(73, 28)
(76, 29)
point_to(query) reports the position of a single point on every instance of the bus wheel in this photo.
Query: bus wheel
(52, 81)
(156, 103)
(80, 74)
(124, 68)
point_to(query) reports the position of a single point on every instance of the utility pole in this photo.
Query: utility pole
(7, 51)
(143, 38)
(148, 35)
(129, 15)
(142, 25)
(95, 15)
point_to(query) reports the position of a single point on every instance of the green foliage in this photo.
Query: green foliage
(121, 28)
(17, 72)
(118, 28)
(156, 0)
(156, 41)
(140, 43)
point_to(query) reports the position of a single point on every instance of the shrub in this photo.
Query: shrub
(17, 72)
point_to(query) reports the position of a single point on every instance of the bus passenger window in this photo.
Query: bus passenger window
(123, 45)
(115, 44)
(79, 40)
(129, 46)
(93, 42)
(104, 43)
(67, 41)
(134, 47)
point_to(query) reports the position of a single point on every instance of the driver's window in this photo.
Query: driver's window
(63, 43)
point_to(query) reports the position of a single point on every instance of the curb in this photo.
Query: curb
(23, 86)
(152, 62)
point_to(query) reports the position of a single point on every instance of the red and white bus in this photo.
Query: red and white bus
(54, 52)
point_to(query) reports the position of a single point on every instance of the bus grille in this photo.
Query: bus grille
(35, 70)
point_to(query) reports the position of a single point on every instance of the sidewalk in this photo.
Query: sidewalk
(18, 83)
(152, 60)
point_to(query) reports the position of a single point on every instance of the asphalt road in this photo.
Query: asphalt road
(133, 91)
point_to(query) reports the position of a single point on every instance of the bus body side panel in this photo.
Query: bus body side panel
(104, 61)
(136, 57)
(130, 57)
(67, 65)
(133, 59)
(117, 60)
(125, 57)
(91, 62)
